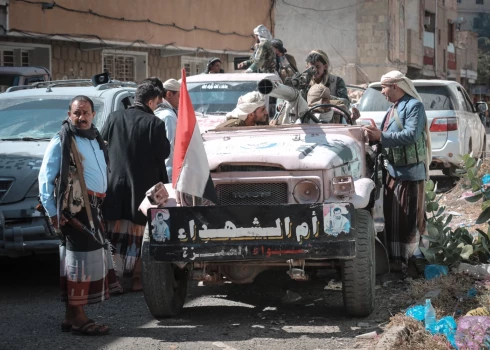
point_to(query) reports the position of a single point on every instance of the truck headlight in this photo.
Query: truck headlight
(306, 191)
(343, 185)
(187, 198)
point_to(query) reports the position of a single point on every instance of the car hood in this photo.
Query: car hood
(209, 121)
(291, 152)
(20, 162)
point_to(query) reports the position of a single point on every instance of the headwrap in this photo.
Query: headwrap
(316, 93)
(324, 56)
(398, 78)
(68, 130)
(278, 44)
(210, 63)
(247, 104)
(171, 85)
(262, 32)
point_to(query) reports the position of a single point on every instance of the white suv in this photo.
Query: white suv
(455, 128)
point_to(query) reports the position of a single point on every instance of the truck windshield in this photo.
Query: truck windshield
(36, 117)
(434, 98)
(218, 97)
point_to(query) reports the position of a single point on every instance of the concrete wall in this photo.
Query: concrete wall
(227, 16)
(333, 31)
(469, 9)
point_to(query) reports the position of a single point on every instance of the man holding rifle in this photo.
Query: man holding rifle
(72, 185)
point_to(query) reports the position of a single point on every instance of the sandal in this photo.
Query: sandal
(65, 327)
(90, 328)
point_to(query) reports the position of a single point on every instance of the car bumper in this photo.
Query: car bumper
(247, 233)
(23, 230)
(447, 156)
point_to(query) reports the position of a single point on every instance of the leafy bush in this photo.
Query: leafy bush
(448, 246)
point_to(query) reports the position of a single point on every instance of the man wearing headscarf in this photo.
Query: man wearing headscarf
(214, 66)
(319, 59)
(320, 94)
(263, 60)
(405, 144)
(249, 111)
(285, 63)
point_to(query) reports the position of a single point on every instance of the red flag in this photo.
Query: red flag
(190, 168)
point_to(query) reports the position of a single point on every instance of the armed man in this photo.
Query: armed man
(405, 144)
(263, 60)
(250, 110)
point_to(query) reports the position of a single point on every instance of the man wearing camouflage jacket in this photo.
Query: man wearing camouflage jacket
(263, 60)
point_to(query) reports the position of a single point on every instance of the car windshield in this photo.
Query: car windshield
(218, 97)
(434, 98)
(36, 117)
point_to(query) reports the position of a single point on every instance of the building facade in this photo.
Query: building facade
(468, 11)
(130, 39)
(367, 38)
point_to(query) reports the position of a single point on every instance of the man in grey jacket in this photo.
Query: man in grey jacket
(405, 144)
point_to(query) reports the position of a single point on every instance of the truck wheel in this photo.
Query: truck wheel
(359, 274)
(164, 285)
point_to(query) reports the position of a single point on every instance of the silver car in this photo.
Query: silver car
(29, 118)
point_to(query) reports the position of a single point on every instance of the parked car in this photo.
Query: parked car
(29, 118)
(214, 95)
(455, 127)
(16, 76)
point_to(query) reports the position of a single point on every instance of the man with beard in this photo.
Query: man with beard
(319, 60)
(72, 185)
(138, 147)
(250, 110)
(263, 60)
(213, 66)
(405, 145)
(167, 111)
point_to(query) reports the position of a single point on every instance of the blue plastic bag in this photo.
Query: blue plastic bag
(447, 326)
(433, 271)
(486, 179)
(417, 312)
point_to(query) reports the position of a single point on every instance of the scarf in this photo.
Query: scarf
(247, 104)
(141, 106)
(67, 132)
(165, 105)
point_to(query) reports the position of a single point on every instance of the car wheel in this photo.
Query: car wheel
(359, 274)
(164, 285)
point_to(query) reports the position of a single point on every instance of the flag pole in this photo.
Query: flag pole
(193, 201)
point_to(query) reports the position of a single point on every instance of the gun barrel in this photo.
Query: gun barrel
(267, 87)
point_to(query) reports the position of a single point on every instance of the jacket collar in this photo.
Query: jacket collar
(401, 105)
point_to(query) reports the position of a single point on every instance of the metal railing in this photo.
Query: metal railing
(72, 82)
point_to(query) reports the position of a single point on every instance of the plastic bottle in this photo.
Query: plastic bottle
(430, 316)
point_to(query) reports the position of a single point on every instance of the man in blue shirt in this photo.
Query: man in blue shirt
(405, 143)
(72, 185)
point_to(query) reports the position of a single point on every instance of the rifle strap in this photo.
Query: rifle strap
(78, 163)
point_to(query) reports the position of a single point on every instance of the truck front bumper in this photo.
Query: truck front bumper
(23, 231)
(247, 232)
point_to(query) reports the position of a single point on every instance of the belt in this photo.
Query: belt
(96, 194)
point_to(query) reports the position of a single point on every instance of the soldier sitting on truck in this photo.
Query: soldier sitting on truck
(320, 94)
(249, 111)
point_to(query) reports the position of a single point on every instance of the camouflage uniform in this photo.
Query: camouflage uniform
(263, 60)
(230, 123)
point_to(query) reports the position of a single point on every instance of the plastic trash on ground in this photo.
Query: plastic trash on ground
(417, 312)
(473, 332)
(433, 271)
(430, 318)
(478, 271)
(447, 326)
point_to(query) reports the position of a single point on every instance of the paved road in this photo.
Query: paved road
(227, 317)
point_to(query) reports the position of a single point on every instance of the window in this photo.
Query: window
(459, 1)
(24, 57)
(193, 65)
(120, 67)
(479, 2)
(7, 58)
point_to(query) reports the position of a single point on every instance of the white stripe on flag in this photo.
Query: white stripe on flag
(195, 168)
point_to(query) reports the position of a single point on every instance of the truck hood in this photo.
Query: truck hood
(20, 161)
(310, 151)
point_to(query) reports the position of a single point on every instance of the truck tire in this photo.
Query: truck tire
(359, 274)
(164, 285)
